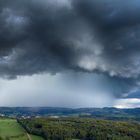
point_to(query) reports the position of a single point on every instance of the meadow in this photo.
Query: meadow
(11, 130)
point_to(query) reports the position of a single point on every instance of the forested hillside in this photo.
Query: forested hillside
(81, 128)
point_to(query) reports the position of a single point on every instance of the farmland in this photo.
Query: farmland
(11, 130)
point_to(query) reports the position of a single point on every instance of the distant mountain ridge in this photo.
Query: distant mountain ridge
(106, 113)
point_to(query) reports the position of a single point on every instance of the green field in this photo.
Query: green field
(11, 130)
(36, 137)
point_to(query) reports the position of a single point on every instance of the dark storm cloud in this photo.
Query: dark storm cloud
(53, 36)
(118, 28)
(33, 37)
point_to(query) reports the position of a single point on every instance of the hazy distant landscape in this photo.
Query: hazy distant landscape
(102, 113)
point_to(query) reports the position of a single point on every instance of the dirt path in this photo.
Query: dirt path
(29, 137)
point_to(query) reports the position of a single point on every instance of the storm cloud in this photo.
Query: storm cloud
(55, 36)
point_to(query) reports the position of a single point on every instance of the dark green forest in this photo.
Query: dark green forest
(81, 128)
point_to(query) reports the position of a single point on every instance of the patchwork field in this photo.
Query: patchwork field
(11, 130)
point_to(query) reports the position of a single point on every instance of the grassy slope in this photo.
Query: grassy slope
(36, 137)
(11, 129)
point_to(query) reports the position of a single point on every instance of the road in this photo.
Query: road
(29, 137)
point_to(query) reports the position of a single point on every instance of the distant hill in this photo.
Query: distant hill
(107, 113)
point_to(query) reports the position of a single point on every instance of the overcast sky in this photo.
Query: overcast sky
(70, 53)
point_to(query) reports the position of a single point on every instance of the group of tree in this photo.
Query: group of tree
(81, 128)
